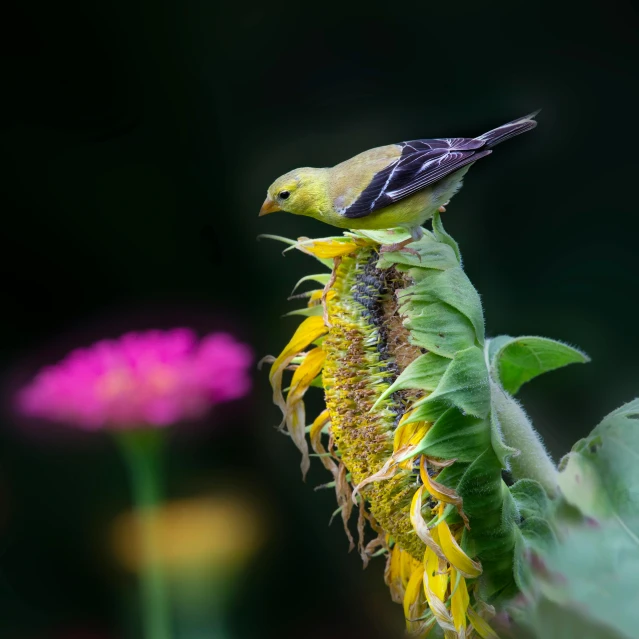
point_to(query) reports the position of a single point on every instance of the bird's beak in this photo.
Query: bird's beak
(269, 206)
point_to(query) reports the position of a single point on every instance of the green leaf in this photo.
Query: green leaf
(591, 577)
(422, 374)
(582, 486)
(518, 360)
(464, 384)
(443, 236)
(456, 436)
(549, 620)
(538, 534)
(440, 328)
(531, 499)
(493, 516)
(387, 236)
(451, 287)
(588, 580)
(534, 534)
(601, 475)
(430, 255)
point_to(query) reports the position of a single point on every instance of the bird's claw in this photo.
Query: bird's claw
(442, 208)
(399, 246)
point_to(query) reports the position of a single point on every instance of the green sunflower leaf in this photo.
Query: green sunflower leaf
(452, 287)
(456, 436)
(439, 327)
(422, 374)
(531, 499)
(601, 475)
(443, 236)
(430, 255)
(588, 579)
(464, 384)
(590, 582)
(515, 361)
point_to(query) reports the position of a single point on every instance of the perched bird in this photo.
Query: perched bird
(399, 185)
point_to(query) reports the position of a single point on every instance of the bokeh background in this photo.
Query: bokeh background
(138, 141)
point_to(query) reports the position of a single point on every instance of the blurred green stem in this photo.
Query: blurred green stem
(142, 451)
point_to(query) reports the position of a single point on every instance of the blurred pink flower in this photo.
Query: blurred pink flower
(154, 378)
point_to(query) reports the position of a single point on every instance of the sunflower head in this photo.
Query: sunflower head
(396, 342)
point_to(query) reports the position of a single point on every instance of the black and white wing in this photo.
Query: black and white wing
(422, 163)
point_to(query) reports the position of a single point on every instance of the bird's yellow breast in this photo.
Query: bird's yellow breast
(413, 210)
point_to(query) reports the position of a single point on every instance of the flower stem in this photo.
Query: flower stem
(142, 452)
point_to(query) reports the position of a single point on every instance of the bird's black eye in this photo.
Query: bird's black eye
(283, 195)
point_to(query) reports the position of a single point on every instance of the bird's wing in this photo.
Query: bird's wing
(422, 162)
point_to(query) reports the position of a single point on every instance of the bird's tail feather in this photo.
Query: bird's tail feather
(509, 130)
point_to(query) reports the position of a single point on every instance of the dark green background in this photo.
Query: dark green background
(138, 142)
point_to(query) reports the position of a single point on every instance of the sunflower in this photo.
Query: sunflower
(396, 341)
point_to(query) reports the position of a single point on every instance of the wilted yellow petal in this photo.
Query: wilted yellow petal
(327, 248)
(393, 574)
(435, 575)
(308, 331)
(315, 436)
(455, 555)
(481, 626)
(296, 426)
(316, 430)
(408, 565)
(459, 600)
(435, 586)
(413, 595)
(441, 492)
(295, 415)
(307, 371)
(419, 523)
(388, 470)
(315, 296)
(407, 435)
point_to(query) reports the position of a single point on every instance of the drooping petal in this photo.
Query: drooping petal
(408, 565)
(388, 470)
(481, 626)
(455, 555)
(414, 603)
(435, 586)
(307, 332)
(436, 574)
(295, 416)
(459, 600)
(393, 574)
(420, 526)
(326, 248)
(441, 492)
(315, 436)
(303, 376)
(408, 436)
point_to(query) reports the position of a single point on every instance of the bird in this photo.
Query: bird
(395, 186)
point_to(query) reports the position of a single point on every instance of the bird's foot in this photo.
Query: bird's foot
(399, 246)
(442, 208)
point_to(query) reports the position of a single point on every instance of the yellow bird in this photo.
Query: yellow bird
(399, 185)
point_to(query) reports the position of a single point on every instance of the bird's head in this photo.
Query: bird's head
(300, 192)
